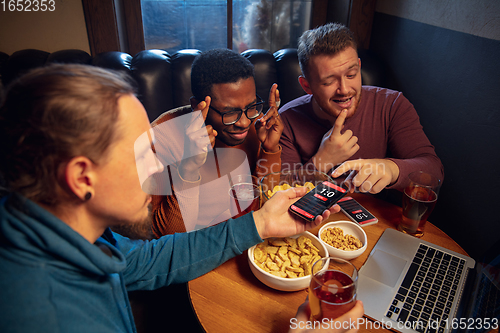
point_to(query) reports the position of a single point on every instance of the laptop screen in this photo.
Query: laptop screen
(483, 311)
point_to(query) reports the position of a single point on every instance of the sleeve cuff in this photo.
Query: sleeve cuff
(268, 153)
(184, 187)
(245, 232)
(189, 181)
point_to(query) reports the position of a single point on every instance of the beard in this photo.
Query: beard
(357, 100)
(141, 229)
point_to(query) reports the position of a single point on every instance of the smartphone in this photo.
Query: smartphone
(314, 203)
(356, 212)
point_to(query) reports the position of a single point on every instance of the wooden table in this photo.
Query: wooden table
(231, 299)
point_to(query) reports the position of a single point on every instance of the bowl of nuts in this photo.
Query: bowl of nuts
(274, 182)
(285, 263)
(343, 239)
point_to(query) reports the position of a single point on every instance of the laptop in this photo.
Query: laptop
(410, 285)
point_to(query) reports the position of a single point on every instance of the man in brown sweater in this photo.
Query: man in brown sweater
(341, 127)
(226, 134)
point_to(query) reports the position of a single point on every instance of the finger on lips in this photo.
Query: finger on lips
(339, 122)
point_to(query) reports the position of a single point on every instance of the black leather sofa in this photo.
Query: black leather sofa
(163, 79)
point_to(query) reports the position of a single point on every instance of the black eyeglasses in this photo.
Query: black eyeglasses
(231, 117)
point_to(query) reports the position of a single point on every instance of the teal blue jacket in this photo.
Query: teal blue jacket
(53, 280)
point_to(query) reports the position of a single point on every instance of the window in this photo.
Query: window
(266, 24)
(117, 25)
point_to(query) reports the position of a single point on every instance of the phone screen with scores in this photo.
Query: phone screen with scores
(314, 203)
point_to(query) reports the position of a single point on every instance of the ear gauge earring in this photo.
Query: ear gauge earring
(88, 195)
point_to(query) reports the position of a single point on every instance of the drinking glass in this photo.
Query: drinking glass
(244, 194)
(333, 288)
(419, 199)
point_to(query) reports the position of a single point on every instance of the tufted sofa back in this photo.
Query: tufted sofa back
(164, 80)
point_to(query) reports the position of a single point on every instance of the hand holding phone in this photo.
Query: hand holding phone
(316, 201)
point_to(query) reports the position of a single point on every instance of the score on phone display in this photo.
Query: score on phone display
(314, 203)
(356, 212)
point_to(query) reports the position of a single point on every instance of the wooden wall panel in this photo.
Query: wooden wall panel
(361, 21)
(102, 28)
(133, 25)
(319, 13)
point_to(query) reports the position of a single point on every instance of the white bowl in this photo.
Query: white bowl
(350, 228)
(285, 284)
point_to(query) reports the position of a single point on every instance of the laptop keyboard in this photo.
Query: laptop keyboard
(428, 290)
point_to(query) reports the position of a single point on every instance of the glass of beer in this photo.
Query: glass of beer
(332, 291)
(244, 194)
(419, 199)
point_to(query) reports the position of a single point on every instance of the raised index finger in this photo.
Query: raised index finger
(199, 116)
(339, 122)
(276, 93)
(273, 96)
(204, 107)
(273, 110)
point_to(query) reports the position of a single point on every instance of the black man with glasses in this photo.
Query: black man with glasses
(224, 132)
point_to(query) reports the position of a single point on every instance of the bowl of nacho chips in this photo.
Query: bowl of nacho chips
(285, 263)
(279, 181)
